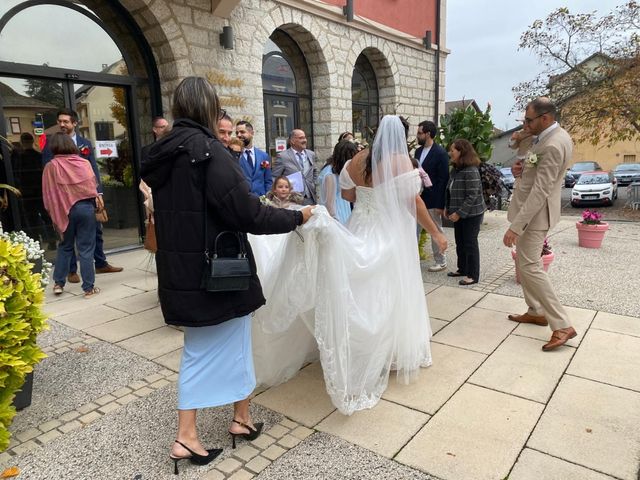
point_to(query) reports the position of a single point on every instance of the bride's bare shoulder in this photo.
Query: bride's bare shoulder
(356, 166)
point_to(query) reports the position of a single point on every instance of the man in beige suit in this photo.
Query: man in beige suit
(534, 209)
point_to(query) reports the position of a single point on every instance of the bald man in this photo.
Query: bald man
(534, 209)
(297, 158)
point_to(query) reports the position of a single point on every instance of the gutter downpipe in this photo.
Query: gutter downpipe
(436, 119)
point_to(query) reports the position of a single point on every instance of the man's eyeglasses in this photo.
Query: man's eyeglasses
(222, 114)
(529, 120)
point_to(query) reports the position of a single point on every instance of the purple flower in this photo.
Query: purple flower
(591, 217)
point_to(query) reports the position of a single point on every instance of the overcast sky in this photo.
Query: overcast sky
(483, 36)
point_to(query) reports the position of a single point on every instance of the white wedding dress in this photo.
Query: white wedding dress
(352, 296)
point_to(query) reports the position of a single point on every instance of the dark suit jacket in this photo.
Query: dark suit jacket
(436, 164)
(81, 142)
(259, 177)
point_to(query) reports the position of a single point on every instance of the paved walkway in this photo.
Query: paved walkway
(492, 406)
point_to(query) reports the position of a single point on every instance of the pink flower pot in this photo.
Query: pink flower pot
(591, 236)
(546, 261)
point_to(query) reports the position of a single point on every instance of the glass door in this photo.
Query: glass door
(28, 107)
(104, 121)
(280, 118)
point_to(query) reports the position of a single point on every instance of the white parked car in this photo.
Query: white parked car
(594, 188)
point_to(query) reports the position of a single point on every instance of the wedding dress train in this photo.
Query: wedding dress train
(354, 296)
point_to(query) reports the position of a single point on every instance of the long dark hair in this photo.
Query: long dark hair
(343, 151)
(468, 155)
(196, 99)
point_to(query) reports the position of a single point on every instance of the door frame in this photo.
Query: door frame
(67, 78)
(267, 96)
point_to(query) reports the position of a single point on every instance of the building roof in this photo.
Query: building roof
(500, 133)
(461, 104)
(595, 56)
(12, 99)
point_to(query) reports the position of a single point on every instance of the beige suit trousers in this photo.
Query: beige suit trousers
(536, 286)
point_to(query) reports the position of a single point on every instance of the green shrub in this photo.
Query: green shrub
(21, 319)
(467, 123)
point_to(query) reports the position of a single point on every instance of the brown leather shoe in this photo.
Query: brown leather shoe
(73, 277)
(108, 269)
(559, 337)
(526, 318)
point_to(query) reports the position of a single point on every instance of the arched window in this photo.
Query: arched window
(58, 55)
(286, 86)
(364, 98)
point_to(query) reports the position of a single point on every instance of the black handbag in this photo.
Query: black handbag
(227, 274)
(224, 274)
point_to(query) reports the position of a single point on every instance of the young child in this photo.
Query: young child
(281, 194)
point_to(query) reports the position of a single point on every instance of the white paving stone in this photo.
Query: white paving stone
(593, 425)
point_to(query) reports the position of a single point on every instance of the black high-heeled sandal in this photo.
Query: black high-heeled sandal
(252, 435)
(195, 458)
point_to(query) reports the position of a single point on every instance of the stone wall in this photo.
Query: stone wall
(184, 36)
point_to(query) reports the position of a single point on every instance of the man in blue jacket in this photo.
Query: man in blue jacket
(435, 161)
(255, 163)
(67, 122)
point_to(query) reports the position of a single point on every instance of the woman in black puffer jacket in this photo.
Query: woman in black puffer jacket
(184, 169)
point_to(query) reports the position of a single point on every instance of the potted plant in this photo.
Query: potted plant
(591, 229)
(21, 320)
(546, 255)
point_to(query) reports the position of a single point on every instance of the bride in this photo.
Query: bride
(354, 296)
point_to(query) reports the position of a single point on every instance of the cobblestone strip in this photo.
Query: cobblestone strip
(248, 460)
(71, 344)
(491, 283)
(22, 442)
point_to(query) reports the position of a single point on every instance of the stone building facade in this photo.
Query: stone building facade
(291, 64)
(184, 36)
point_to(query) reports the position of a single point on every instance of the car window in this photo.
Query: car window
(594, 179)
(585, 167)
(633, 167)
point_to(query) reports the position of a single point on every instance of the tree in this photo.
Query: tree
(46, 91)
(591, 69)
(467, 123)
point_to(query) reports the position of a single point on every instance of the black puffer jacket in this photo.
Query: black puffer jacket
(176, 168)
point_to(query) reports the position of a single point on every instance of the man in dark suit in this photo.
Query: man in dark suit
(67, 122)
(255, 163)
(435, 161)
(298, 159)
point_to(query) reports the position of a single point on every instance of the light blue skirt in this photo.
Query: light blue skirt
(217, 365)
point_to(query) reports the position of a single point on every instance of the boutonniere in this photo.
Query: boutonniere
(265, 165)
(531, 160)
(84, 151)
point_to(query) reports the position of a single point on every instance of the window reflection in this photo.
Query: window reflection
(364, 97)
(287, 90)
(34, 36)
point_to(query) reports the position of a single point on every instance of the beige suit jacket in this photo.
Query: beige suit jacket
(536, 201)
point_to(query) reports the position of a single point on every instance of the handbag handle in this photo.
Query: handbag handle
(242, 253)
